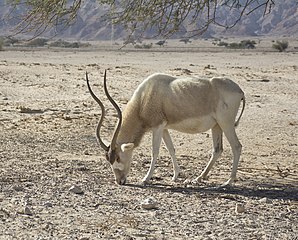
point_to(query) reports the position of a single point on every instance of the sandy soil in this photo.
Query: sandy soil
(47, 137)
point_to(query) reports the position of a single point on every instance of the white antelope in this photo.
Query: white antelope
(162, 102)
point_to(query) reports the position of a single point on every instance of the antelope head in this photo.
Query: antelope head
(118, 155)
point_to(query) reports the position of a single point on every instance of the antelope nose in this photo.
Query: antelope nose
(121, 181)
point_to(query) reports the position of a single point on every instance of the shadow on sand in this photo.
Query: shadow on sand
(256, 190)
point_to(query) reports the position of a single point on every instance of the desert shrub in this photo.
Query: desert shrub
(234, 45)
(64, 44)
(37, 42)
(9, 41)
(147, 46)
(244, 44)
(281, 45)
(143, 46)
(223, 44)
(1, 44)
(248, 44)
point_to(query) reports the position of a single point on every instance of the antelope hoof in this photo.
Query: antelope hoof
(174, 178)
(228, 183)
(192, 181)
(197, 180)
(200, 179)
(145, 181)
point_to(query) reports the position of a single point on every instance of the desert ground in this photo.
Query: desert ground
(48, 146)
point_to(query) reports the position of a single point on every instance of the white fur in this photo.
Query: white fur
(127, 146)
(118, 166)
(190, 105)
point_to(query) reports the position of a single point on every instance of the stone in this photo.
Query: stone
(76, 189)
(149, 203)
(18, 188)
(239, 208)
(27, 211)
(48, 204)
(264, 200)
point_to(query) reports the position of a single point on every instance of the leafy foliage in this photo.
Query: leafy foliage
(37, 42)
(165, 17)
(64, 44)
(170, 16)
(248, 44)
(281, 45)
(244, 44)
(43, 14)
(7, 41)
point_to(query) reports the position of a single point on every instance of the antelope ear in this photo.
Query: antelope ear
(127, 146)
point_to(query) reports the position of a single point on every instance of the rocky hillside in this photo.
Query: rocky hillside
(282, 21)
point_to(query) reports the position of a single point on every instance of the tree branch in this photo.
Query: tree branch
(166, 17)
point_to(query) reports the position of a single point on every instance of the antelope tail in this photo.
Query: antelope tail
(243, 106)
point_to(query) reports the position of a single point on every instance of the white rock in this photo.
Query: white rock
(264, 200)
(75, 189)
(239, 208)
(149, 203)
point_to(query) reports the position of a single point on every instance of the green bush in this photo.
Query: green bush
(248, 44)
(64, 44)
(10, 41)
(281, 46)
(143, 46)
(37, 42)
(1, 44)
(224, 44)
(234, 45)
(244, 44)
